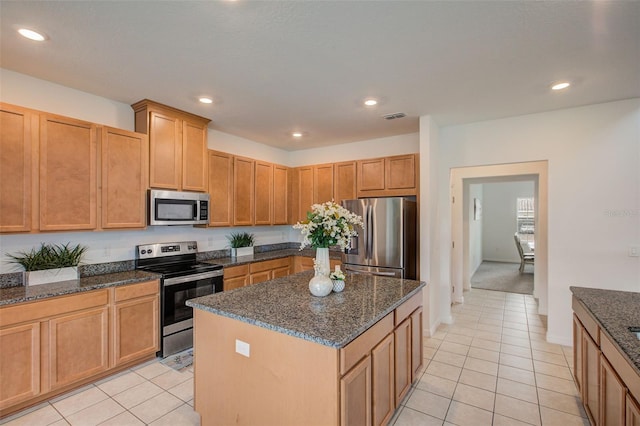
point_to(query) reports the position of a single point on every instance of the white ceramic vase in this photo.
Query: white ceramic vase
(322, 261)
(320, 285)
(47, 276)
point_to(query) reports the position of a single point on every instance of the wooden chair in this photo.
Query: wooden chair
(524, 258)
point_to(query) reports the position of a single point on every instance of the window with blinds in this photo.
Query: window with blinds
(525, 217)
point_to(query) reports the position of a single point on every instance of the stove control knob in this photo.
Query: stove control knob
(149, 251)
(143, 251)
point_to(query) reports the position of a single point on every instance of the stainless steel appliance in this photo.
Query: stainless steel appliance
(387, 245)
(178, 208)
(183, 278)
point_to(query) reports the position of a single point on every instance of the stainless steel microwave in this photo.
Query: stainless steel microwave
(178, 208)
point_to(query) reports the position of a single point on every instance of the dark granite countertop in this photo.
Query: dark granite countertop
(269, 255)
(18, 294)
(615, 311)
(286, 305)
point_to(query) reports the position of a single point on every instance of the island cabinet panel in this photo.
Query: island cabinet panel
(235, 277)
(79, 345)
(279, 377)
(322, 183)
(280, 195)
(19, 366)
(125, 164)
(355, 395)
(590, 378)
(383, 381)
(577, 352)
(417, 348)
(18, 133)
(136, 319)
(632, 412)
(220, 188)
(243, 191)
(68, 174)
(344, 181)
(194, 156)
(177, 146)
(402, 359)
(263, 193)
(612, 395)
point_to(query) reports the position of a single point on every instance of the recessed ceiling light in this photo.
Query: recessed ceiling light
(296, 134)
(32, 35)
(370, 102)
(205, 100)
(561, 85)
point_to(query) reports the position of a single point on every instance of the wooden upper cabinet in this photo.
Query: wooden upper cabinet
(194, 156)
(18, 130)
(344, 181)
(177, 146)
(322, 183)
(263, 188)
(220, 188)
(280, 195)
(243, 191)
(68, 174)
(125, 165)
(305, 191)
(388, 176)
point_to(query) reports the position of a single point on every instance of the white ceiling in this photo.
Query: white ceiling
(277, 66)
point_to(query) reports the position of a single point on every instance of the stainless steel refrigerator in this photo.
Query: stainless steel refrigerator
(387, 245)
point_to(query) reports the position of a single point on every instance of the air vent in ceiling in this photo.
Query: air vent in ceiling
(394, 116)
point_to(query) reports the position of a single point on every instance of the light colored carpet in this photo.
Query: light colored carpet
(502, 276)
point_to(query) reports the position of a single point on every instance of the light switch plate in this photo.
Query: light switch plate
(243, 348)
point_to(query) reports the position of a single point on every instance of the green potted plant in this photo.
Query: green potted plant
(50, 263)
(241, 243)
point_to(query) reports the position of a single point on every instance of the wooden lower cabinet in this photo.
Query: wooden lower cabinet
(417, 348)
(303, 263)
(612, 395)
(355, 395)
(256, 272)
(78, 346)
(235, 277)
(136, 319)
(577, 352)
(383, 381)
(20, 366)
(632, 412)
(590, 378)
(403, 359)
(62, 342)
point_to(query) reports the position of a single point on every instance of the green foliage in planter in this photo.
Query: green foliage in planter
(49, 256)
(241, 239)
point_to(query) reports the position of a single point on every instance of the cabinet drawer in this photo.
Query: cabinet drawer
(404, 310)
(132, 291)
(268, 265)
(30, 311)
(362, 345)
(236, 271)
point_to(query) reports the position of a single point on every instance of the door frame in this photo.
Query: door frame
(535, 170)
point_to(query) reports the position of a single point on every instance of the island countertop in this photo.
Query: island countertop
(285, 305)
(615, 311)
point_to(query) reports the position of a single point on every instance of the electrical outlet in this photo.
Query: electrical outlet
(243, 348)
(634, 251)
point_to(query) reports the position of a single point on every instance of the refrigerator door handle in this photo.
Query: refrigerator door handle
(369, 232)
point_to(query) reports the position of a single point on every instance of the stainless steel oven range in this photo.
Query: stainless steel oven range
(183, 278)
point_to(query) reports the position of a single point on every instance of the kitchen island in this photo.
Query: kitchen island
(272, 353)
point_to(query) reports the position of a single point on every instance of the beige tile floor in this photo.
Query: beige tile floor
(491, 367)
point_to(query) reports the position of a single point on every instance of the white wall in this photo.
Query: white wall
(593, 155)
(499, 219)
(475, 227)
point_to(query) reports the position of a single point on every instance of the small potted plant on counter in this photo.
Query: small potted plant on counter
(241, 244)
(50, 263)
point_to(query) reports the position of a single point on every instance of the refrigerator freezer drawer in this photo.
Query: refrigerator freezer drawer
(374, 271)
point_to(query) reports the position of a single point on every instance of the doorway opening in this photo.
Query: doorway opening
(464, 218)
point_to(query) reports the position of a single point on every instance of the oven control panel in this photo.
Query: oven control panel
(148, 251)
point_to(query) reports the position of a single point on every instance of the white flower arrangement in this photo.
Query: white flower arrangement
(329, 224)
(337, 275)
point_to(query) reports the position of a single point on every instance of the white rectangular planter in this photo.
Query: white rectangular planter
(242, 251)
(47, 276)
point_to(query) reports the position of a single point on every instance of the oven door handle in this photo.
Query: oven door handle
(193, 277)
